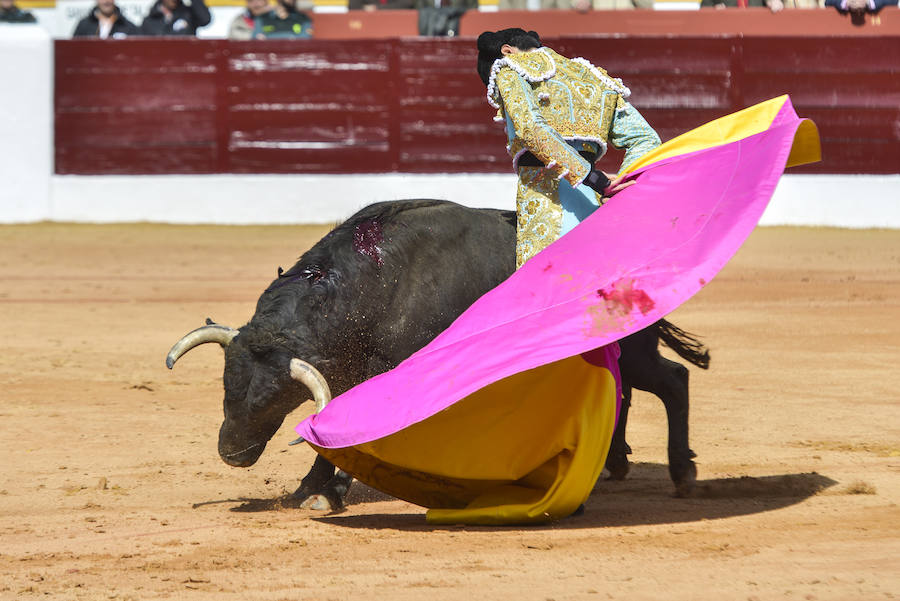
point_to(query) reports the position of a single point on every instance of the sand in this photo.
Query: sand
(112, 487)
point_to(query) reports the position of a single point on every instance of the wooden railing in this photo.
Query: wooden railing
(157, 106)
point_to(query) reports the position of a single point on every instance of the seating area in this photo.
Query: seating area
(358, 19)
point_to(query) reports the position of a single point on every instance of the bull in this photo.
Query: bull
(369, 294)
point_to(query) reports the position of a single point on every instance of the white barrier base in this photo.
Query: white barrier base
(26, 122)
(852, 201)
(260, 199)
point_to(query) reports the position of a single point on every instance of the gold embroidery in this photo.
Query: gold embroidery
(573, 95)
(536, 64)
(547, 107)
(533, 133)
(538, 210)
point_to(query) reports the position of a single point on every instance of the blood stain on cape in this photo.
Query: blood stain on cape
(367, 237)
(623, 299)
(618, 302)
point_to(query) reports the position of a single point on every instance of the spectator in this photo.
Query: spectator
(621, 4)
(283, 22)
(243, 24)
(105, 21)
(420, 4)
(773, 5)
(10, 13)
(442, 17)
(579, 5)
(370, 5)
(857, 9)
(174, 17)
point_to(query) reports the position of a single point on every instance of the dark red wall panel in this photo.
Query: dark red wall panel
(417, 105)
(308, 108)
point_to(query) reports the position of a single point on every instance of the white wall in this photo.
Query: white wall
(30, 192)
(26, 122)
(856, 201)
(260, 199)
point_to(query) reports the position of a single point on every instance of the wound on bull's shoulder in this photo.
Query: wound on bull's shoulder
(367, 237)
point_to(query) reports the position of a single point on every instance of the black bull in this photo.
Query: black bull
(378, 288)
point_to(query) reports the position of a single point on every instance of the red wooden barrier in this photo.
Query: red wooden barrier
(149, 106)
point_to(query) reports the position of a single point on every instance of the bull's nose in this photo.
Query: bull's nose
(244, 457)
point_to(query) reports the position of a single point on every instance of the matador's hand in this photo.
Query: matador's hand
(616, 185)
(597, 181)
(604, 184)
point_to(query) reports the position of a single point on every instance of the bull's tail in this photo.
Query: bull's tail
(686, 345)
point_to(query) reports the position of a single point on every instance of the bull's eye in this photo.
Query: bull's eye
(312, 274)
(260, 349)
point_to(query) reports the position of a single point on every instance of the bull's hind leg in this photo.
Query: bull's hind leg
(322, 489)
(617, 459)
(644, 368)
(669, 381)
(674, 393)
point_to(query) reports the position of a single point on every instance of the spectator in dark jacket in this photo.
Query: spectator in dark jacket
(105, 21)
(370, 5)
(10, 13)
(242, 26)
(284, 22)
(860, 6)
(174, 17)
(774, 5)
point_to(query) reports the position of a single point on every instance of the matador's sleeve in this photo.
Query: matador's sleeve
(542, 140)
(631, 131)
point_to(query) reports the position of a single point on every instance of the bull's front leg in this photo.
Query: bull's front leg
(322, 489)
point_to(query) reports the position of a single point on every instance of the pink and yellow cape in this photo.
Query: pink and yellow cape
(507, 416)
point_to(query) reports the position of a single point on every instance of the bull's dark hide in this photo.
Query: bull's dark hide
(376, 289)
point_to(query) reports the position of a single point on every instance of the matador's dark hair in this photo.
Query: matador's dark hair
(490, 42)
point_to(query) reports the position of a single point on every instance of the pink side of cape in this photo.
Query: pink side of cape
(633, 261)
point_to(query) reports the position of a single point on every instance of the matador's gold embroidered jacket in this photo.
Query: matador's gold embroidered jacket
(555, 106)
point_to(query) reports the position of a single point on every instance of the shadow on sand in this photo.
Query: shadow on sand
(359, 493)
(645, 498)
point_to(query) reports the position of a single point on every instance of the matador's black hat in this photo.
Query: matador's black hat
(490, 42)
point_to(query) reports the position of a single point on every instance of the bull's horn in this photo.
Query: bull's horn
(209, 333)
(310, 377)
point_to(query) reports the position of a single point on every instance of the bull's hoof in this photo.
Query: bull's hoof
(685, 479)
(617, 467)
(317, 503)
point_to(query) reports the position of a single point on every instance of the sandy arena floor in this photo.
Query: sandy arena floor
(112, 487)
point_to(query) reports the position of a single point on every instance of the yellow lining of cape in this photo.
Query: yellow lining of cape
(526, 449)
(736, 126)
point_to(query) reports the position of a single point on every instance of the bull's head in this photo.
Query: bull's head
(258, 396)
